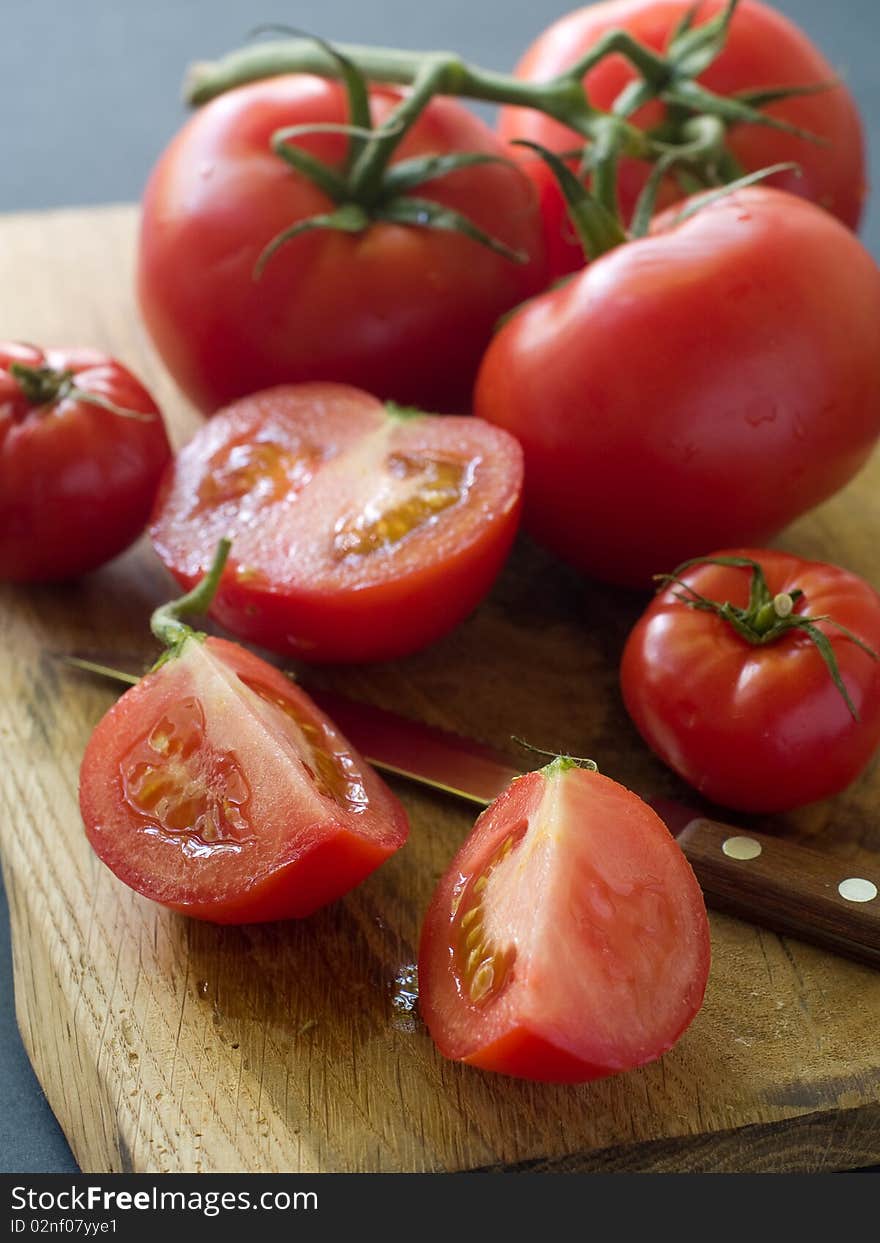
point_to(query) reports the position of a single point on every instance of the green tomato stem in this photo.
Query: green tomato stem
(165, 622)
(44, 386)
(366, 180)
(41, 385)
(562, 98)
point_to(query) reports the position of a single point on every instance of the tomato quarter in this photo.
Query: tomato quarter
(82, 447)
(758, 726)
(359, 532)
(568, 938)
(216, 787)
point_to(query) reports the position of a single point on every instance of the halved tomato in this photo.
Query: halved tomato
(360, 531)
(216, 787)
(568, 939)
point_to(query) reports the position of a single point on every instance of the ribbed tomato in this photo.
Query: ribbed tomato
(82, 448)
(758, 725)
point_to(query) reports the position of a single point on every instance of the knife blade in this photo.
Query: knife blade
(775, 883)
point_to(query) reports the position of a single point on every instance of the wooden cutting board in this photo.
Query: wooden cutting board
(167, 1045)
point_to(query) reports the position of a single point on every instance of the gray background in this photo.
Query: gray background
(90, 94)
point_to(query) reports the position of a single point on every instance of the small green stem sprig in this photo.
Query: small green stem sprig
(691, 141)
(767, 617)
(45, 386)
(560, 762)
(166, 622)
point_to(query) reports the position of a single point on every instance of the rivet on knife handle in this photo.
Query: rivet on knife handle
(786, 887)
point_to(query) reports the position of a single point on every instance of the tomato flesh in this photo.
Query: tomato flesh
(568, 939)
(357, 534)
(216, 787)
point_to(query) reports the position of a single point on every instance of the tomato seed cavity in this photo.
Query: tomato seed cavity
(435, 484)
(183, 787)
(263, 471)
(484, 967)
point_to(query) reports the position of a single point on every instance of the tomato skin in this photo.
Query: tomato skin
(401, 311)
(758, 729)
(600, 938)
(763, 48)
(697, 388)
(284, 588)
(77, 481)
(297, 849)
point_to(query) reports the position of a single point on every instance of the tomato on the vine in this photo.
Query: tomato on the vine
(402, 310)
(763, 49)
(568, 938)
(216, 787)
(699, 387)
(741, 701)
(82, 447)
(360, 531)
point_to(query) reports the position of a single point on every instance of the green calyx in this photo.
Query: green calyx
(45, 386)
(767, 618)
(42, 386)
(368, 188)
(403, 413)
(559, 762)
(166, 622)
(690, 143)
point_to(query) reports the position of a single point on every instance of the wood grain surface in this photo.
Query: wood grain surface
(166, 1045)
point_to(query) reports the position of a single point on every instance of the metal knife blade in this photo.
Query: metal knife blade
(768, 881)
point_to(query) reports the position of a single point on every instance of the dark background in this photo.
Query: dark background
(90, 94)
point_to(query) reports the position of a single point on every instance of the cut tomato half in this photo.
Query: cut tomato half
(568, 939)
(360, 531)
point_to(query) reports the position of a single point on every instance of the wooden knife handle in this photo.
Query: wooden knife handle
(787, 888)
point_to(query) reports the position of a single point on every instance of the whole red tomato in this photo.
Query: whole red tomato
(699, 387)
(82, 447)
(568, 938)
(402, 311)
(359, 532)
(758, 724)
(763, 49)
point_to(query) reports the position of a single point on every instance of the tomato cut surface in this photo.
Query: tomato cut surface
(568, 939)
(359, 533)
(217, 787)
